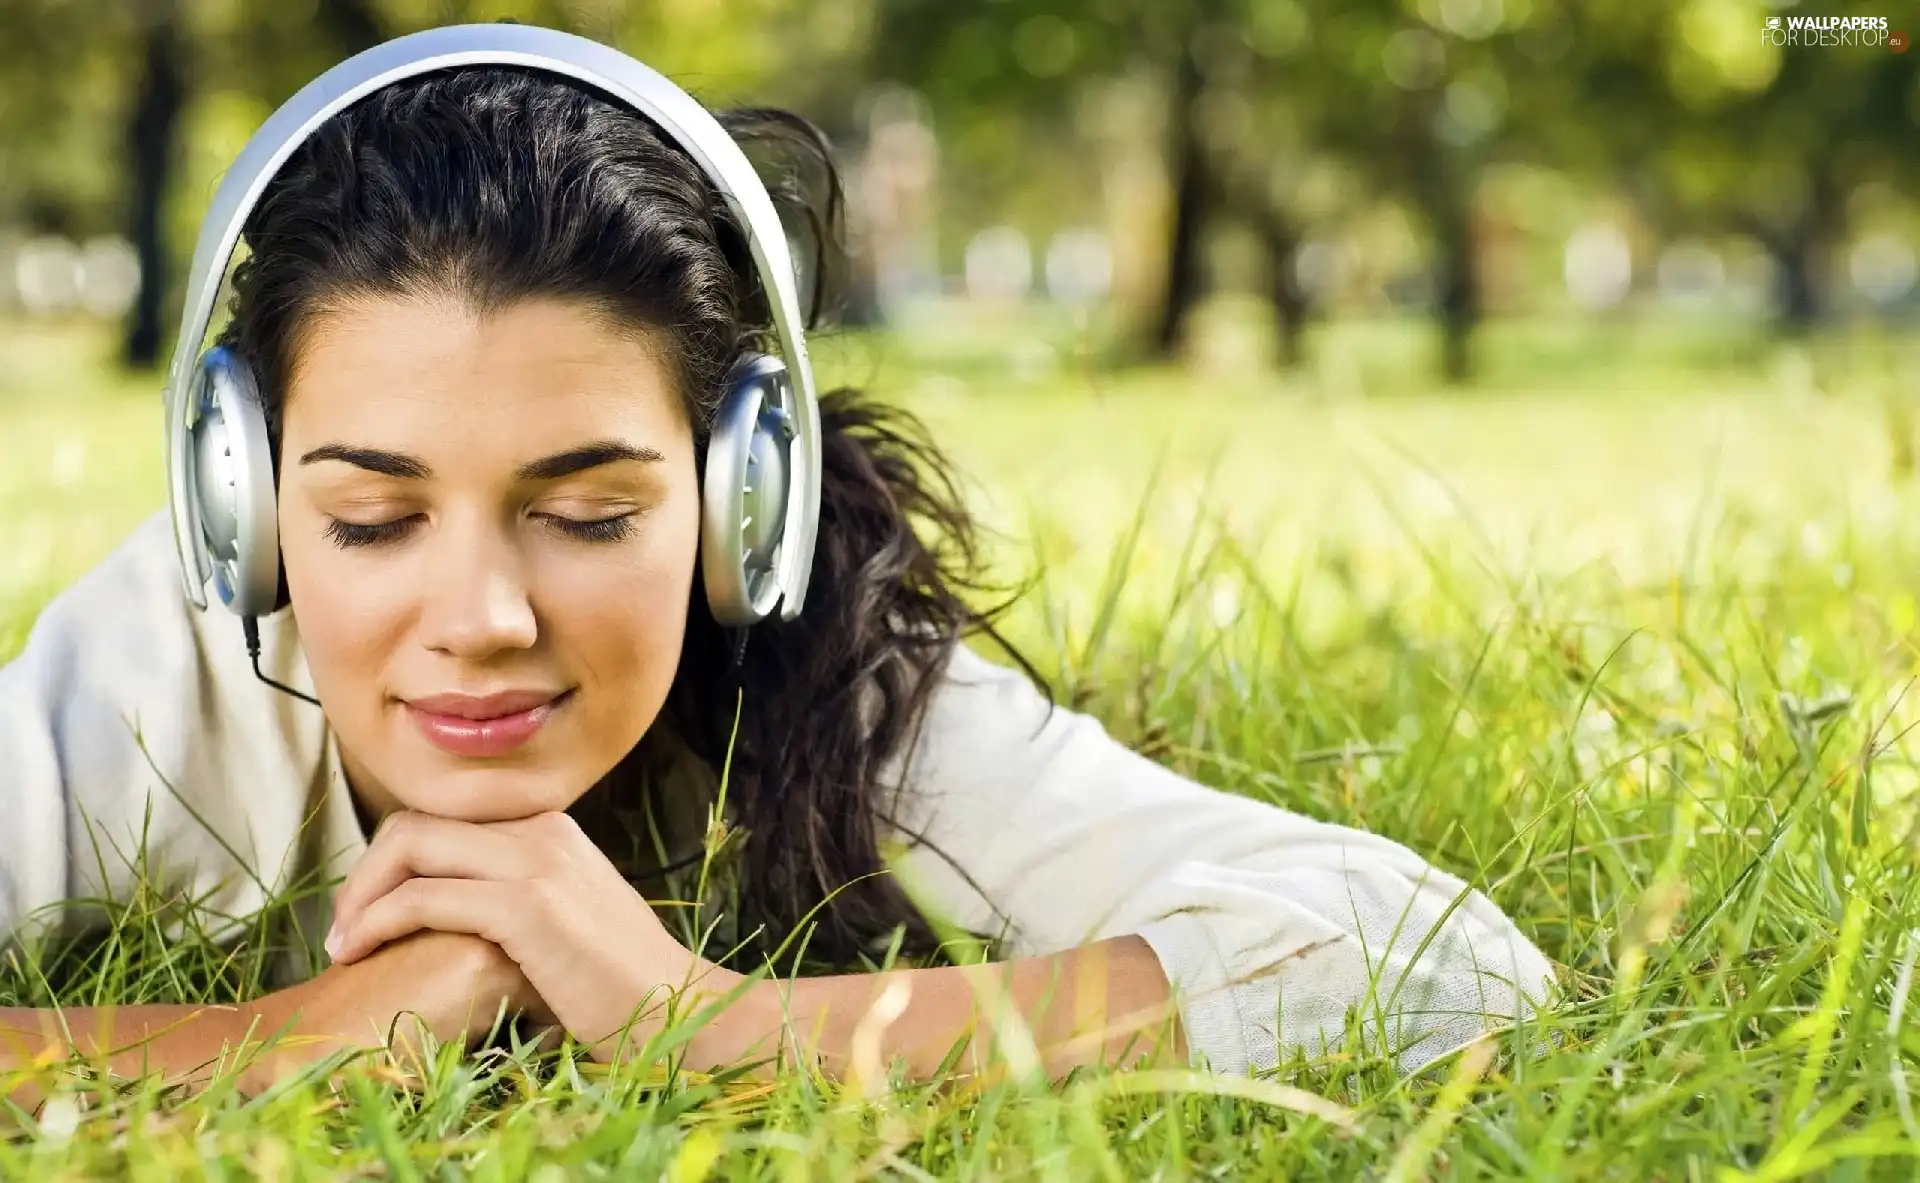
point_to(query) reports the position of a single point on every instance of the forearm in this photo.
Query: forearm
(449, 986)
(1103, 1004)
(183, 1042)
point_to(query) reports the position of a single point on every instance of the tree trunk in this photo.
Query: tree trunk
(1458, 297)
(1290, 304)
(1439, 181)
(1801, 253)
(1800, 248)
(1192, 197)
(151, 133)
(1798, 304)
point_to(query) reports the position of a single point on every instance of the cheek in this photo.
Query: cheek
(619, 628)
(348, 626)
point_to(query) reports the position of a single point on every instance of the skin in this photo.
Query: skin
(449, 984)
(478, 586)
(485, 589)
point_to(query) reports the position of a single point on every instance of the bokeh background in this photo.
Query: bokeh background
(1573, 280)
(1462, 160)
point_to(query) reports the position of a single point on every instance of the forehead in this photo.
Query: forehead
(434, 374)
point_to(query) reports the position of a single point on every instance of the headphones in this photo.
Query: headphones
(760, 501)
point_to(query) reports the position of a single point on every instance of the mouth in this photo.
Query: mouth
(488, 726)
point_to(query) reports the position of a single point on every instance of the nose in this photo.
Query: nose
(477, 603)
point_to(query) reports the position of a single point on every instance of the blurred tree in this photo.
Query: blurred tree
(1415, 99)
(1295, 119)
(1264, 99)
(1022, 67)
(1199, 180)
(152, 134)
(63, 75)
(1773, 143)
(1712, 129)
(1260, 115)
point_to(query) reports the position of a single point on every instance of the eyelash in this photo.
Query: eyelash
(351, 534)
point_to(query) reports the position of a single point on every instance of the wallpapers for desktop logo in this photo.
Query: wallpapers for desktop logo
(1833, 32)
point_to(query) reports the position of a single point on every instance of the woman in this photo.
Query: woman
(489, 312)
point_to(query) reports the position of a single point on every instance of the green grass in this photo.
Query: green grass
(1626, 639)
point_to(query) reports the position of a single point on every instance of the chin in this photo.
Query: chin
(494, 794)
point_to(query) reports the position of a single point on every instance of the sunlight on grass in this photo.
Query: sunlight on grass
(1639, 665)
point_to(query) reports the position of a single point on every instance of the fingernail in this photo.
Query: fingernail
(333, 942)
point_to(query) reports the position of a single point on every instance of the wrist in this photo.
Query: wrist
(286, 1031)
(750, 1025)
(743, 1012)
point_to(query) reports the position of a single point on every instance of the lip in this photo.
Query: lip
(484, 725)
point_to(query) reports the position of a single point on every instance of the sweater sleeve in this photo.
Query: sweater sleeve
(138, 749)
(1035, 825)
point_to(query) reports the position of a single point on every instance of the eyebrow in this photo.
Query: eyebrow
(585, 456)
(402, 466)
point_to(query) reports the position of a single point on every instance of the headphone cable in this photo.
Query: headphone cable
(251, 628)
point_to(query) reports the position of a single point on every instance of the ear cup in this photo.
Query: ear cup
(746, 492)
(230, 484)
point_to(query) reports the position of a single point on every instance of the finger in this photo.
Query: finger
(484, 909)
(419, 845)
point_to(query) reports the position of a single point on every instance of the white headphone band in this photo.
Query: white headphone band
(621, 78)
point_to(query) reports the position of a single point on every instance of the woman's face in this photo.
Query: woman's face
(489, 525)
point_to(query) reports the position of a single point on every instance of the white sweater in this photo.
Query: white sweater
(1269, 925)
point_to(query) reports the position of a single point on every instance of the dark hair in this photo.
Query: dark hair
(500, 184)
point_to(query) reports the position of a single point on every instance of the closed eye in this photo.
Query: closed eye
(345, 534)
(609, 529)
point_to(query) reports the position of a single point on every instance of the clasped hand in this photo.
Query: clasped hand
(539, 889)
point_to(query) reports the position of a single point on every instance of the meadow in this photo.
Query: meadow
(1625, 636)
